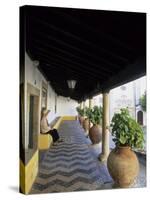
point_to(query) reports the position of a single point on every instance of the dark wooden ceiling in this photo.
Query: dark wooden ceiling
(99, 49)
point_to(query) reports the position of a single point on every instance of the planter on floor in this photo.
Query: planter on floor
(123, 166)
(95, 116)
(80, 115)
(81, 120)
(86, 125)
(122, 162)
(95, 134)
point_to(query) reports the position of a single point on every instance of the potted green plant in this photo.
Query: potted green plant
(78, 111)
(143, 102)
(80, 115)
(95, 116)
(122, 162)
(86, 122)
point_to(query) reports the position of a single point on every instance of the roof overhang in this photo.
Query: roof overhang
(99, 49)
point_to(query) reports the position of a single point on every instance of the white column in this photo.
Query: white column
(83, 104)
(90, 106)
(80, 105)
(91, 103)
(105, 128)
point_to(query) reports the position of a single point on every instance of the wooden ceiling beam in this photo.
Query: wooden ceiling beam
(46, 40)
(129, 73)
(104, 36)
(72, 73)
(66, 60)
(77, 38)
(68, 76)
(78, 68)
(80, 58)
(80, 73)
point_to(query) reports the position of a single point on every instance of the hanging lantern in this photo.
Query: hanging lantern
(71, 84)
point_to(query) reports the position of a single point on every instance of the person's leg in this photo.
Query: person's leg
(50, 132)
(57, 135)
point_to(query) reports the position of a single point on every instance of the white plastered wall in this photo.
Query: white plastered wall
(122, 97)
(63, 106)
(66, 106)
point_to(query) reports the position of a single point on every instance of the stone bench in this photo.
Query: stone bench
(46, 140)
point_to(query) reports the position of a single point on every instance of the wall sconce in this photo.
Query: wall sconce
(71, 84)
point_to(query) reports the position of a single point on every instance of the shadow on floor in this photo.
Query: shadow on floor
(14, 188)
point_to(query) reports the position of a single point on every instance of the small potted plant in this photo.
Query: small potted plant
(95, 132)
(80, 115)
(122, 162)
(143, 102)
(86, 122)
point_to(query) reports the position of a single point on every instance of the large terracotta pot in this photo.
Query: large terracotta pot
(81, 119)
(86, 124)
(123, 166)
(95, 134)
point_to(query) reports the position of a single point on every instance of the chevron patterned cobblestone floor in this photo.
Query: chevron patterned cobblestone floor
(73, 165)
(70, 165)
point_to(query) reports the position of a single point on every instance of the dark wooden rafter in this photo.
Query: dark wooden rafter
(70, 74)
(76, 66)
(60, 43)
(76, 56)
(131, 72)
(82, 40)
(100, 49)
(78, 62)
(63, 91)
(104, 36)
(75, 75)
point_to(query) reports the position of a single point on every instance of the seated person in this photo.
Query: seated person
(45, 127)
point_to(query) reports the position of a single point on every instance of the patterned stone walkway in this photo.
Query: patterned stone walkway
(71, 165)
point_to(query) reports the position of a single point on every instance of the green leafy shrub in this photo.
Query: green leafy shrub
(95, 115)
(88, 112)
(143, 102)
(126, 131)
(80, 111)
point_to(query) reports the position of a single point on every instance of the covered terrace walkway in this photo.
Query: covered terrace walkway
(73, 165)
(68, 56)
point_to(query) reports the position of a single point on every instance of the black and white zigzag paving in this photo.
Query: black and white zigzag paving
(70, 165)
